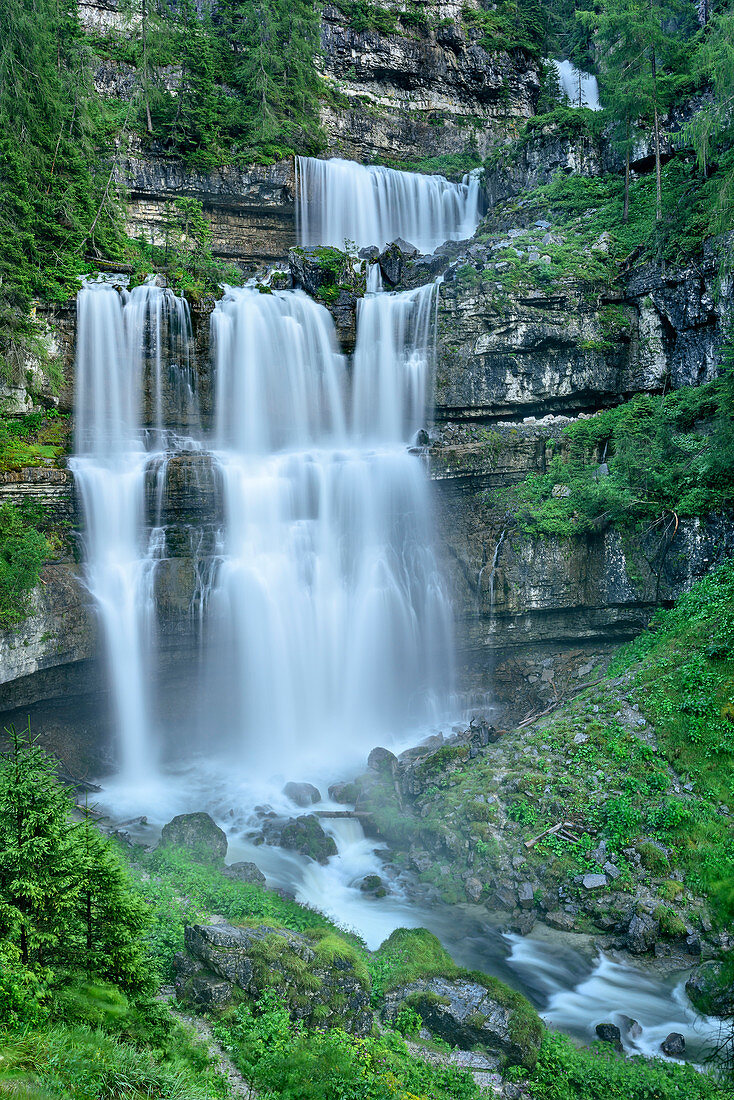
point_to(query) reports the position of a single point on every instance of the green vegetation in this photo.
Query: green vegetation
(666, 457)
(276, 1055)
(412, 953)
(23, 550)
(57, 205)
(564, 1073)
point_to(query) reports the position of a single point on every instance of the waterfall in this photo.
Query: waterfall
(579, 88)
(123, 343)
(340, 201)
(393, 363)
(329, 627)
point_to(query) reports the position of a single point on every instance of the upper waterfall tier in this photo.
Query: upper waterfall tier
(340, 200)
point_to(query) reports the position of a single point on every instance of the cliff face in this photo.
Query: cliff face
(513, 364)
(423, 91)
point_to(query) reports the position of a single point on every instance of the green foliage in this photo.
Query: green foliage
(683, 668)
(32, 440)
(64, 896)
(23, 550)
(508, 25)
(667, 457)
(280, 1058)
(246, 87)
(178, 892)
(366, 16)
(56, 200)
(565, 1073)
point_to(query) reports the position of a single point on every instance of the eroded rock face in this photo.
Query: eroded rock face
(320, 986)
(426, 86)
(466, 1014)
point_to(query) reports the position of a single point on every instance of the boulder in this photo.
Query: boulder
(305, 835)
(383, 761)
(473, 889)
(321, 978)
(199, 834)
(641, 934)
(526, 895)
(609, 1033)
(373, 885)
(303, 794)
(393, 258)
(249, 873)
(594, 882)
(344, 792)
(674, 1045)
(467, 1014)
(711, 990)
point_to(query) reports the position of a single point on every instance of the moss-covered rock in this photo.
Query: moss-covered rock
(464, 1008)
(323, 978)
(711, 988)
(199, 834)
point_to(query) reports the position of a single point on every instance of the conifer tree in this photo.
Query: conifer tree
(38, 852)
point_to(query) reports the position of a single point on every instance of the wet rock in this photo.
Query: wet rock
(674, 1045)
(473, 889)
(373, 885)
(243, 871)
(303, 794)
(526, 895)
(630, 1027)
(468, 1015)
(305, 835)
(392, 260)
(199, 834)
(321, 988)
(344, 792)
(641, 934)
(370, 253)
(710, 991)
(611, 870)
(382, 760)
(610, 1033)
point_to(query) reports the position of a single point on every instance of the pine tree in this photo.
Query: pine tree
(111, 917)
(38, 852)
(637, 44)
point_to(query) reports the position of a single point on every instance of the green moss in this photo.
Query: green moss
(672, 927)
(330, 949)
(652, 859)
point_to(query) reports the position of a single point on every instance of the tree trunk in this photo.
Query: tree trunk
(656, 119)
(626, 211)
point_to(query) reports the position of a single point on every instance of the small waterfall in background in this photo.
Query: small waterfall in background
(339, 200)
(126, 344)
(580, 88)
(328, 626)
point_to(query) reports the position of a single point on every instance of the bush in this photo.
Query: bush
(23, 550)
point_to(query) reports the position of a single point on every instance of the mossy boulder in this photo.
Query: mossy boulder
(463, 1007)
(304, 834)
(711, 988)
(322, 977)
(198, 834)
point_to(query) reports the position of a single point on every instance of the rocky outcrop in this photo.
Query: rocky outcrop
(425, 89)
(321, 978)
(251, 210)
(465, 1013)
(199, 834)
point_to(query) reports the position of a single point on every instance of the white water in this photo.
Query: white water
(329, 627)
(579, 88)
(325, 627)
(340, 201)
(122, 342)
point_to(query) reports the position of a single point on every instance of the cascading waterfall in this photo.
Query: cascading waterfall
(329, 627)
(123, 341)
(339, 200)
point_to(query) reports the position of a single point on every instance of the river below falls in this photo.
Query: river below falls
(573, 984)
